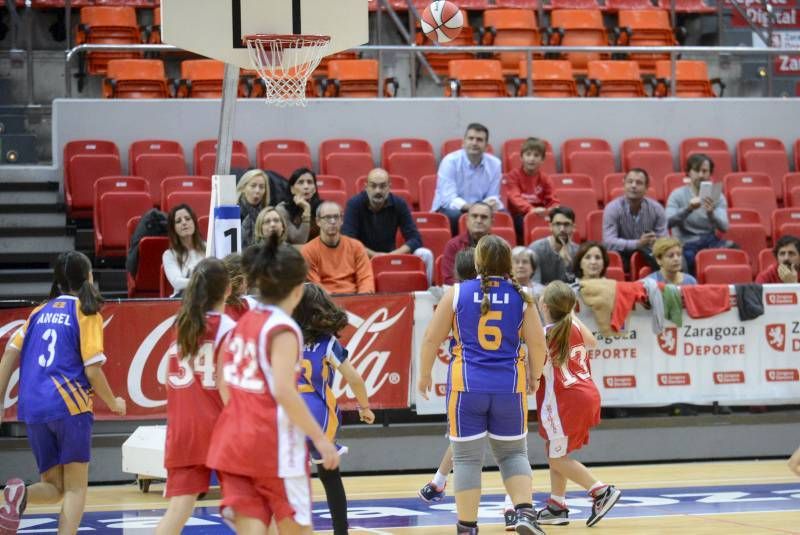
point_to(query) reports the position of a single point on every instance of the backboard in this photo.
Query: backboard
(214, 28)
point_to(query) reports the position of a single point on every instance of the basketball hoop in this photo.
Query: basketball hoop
(285, 62)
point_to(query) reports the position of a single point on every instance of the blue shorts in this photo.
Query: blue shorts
(472, 415)
(63, 441)
(329, 420)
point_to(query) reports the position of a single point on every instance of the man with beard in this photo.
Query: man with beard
(479, 224)
(467, 176)
(787, 253)
(374, 216)
(554, 253)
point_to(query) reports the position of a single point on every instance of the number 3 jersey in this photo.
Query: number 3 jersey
(321, 358)
(56, 343)
(567, 400)
(253, 436)
(488, 353)
(193, 401)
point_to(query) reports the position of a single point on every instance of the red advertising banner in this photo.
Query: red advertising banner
(785, 14)
(137, 335)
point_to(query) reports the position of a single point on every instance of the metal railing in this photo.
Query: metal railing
(529, 51)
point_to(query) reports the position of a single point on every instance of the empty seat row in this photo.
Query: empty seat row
(681, 6)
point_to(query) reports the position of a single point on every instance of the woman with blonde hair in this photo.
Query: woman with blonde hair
(668, 252)
(269, 221)
(489, 377)
(254, 196)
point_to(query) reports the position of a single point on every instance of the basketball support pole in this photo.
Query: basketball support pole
(223, 184)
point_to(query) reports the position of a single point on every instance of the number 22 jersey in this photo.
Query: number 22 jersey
(193, 401)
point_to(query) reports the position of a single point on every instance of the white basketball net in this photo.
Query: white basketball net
(285, 63)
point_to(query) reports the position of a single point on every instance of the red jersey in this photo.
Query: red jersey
(253, 436)
(193, 401)
(568, 402)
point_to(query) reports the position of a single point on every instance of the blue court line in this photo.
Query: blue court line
(410, 512)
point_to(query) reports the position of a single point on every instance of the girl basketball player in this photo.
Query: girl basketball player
(258, 445)
(60, 354)
(193, 401)
(568, 405)
(321, 320)
(487, 384)
(236, 304)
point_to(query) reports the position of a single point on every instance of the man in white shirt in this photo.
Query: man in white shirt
(467, 176)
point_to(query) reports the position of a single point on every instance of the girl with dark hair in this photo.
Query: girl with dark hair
(300, 212)
(186, 247)
(489, 377)
(258, 447)
(60, 353)
(193, 399)
(236, 304)
(591, 261)
(568, 404)
(323, 355)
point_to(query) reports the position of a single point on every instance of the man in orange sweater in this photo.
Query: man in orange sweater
(338, 263)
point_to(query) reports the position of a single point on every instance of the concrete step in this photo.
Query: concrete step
(30, 197)
(11, 183)
(29, 251)
(34, 220)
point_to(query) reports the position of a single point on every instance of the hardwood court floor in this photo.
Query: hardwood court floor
(752, 497)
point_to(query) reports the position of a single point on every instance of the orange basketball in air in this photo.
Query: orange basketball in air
(442, 21)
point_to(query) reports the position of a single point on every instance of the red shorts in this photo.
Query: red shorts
(559, 447)
(187, 480)
(266, 497)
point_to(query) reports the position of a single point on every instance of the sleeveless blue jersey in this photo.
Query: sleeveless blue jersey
(56, 343)
(321, 357)
(488, 353)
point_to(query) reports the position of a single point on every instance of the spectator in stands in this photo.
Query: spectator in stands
(467, 176)
(554, 254)
(374, 216)
(787, 253)
(297, 212)
(530, 190)
(695, 221)
(268, 222)
(523, 267)
(633, 222)
(591, 261)
(479, 224)
(338, 263)
(668, 253)
(186, 247)
(253, 190)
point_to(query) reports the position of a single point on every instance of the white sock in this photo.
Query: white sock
(561, 501)
(596, 487)
(508, 504)
(440, 480)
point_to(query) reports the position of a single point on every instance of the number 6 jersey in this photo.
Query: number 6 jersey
(56, 343)
(488, 355)
(193, 401)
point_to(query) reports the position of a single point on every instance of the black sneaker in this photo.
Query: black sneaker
(553, 516)
(430, 493)
(510, 516)
(527, 523)
(461, 529)
(603, 504)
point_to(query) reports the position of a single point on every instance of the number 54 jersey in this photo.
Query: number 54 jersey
(193, 401)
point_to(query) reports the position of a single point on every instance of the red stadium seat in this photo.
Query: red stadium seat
(339, 197)
(397, 262)
(198, 201)
(339, 145)
(330, 183)
(756, 144)
(645, 271)
(672, 182)
(719, 257)
(512, 158)
(791, 183)
(427, 191)
(714, 148)
(146, 282)
(510, 27)
(589, 156)
(739, 274)
(766, 258)
(81, 173)
(349, 166)
(615, 273)
(118, 183)
(552, 78)
(476, 78)
(183, 183)
(594, 226)
(616, 5)
(745, 180)
(562, 181)
(151, 146)
(435, 239)
(765, 155)
(201, 78)
(165, 289)
(413, 166)
(209, 146)
(114, 209)
(646, 27)
(135, 78)
(749, 235)
(283, 156)
(691, 80)
(651, 154)
(582, 201)
(507, 233)
(578, 27)
(403, 145)
(614, 79)
(401, 281)
(614, 259)
(785, 221)
(155, 168)
(430, 220)
(760, 199)
(638, 262)
(530, 222)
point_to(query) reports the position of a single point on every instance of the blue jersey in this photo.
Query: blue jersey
(320, 360)
(56, 343)
(488, 352)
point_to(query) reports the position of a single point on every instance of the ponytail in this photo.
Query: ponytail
(71, 274)
(274, 268)
(90, 298)
(206, 289)
(558, 339)
(560, 301)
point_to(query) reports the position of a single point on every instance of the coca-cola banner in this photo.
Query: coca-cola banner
(722, 359)
(137, 335)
